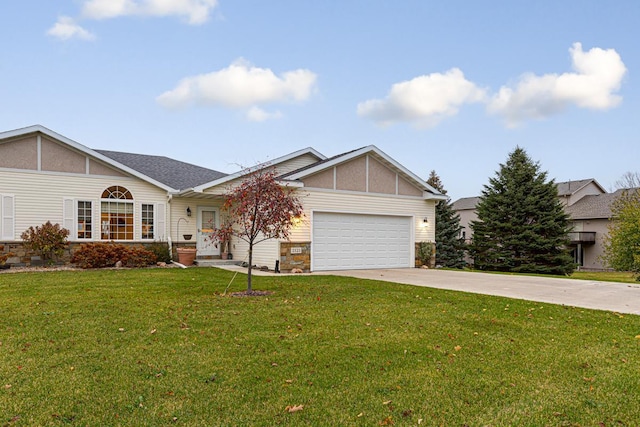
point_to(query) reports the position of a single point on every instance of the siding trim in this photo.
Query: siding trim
(360, 193)
(366, 174)
(54, 173)
(39, 152)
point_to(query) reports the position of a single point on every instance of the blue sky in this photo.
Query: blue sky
(448, 85)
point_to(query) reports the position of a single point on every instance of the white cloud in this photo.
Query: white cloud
(597, 76)
(195, 11)
(66, 28)
(241, 85)
(424, 100)
(257, 114)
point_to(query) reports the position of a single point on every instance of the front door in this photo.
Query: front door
(207, 221)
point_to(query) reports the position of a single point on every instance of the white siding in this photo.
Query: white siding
(188, 225)
(39, 197)
(296, 163)
(264, 253)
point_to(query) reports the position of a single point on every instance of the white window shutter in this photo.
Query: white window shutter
(161, 222)
(68, 218)
(7, 220)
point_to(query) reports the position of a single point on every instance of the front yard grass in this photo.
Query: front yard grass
(606, 276)
(163, 347)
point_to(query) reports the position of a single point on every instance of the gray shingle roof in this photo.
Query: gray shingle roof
(593, 206)
(465, 203)
(174, 173)
(569, 187)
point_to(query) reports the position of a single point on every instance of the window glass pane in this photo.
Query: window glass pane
(117, 192)
(208, 219)
(116, 220)
(147, 221)
(84, 220)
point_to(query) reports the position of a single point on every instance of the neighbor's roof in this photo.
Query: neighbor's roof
(465, 203)
(174, 173)
(568, 188)
(564, 189)
(596, 206)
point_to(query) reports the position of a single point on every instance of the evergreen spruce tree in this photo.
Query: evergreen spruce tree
(521, 225)
(449, 244)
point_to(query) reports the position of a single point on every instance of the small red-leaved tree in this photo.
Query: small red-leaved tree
(258, 209)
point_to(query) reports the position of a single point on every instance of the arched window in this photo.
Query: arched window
(116, 215)
(117, 192)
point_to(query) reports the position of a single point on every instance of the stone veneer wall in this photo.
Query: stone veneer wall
(289, 261)
(432, 260)
(24, 258)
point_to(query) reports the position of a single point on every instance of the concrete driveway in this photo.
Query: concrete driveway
(618, 297)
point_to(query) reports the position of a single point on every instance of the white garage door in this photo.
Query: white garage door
(351, 241)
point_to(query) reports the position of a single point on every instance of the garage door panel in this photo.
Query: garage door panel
(352, 241)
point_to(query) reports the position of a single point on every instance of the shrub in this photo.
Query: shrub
(5, 257)
(100, 255)
(48, 240)
(425, 250)
(160, 250)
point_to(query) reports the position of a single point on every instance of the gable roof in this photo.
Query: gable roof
(225, 179)
(314, 165)
(565, 189)
(83, 149)
(174, 173)
(379, 155)
(465, 203)
(568, 188)
(184, 178)
(595, 206)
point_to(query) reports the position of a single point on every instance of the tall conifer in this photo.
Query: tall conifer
(521, 226)
(449, 244)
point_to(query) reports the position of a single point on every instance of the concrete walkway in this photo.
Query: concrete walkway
(618, 297)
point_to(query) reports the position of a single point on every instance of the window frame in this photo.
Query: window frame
(71, 218)
(153, 224)
(118, 222)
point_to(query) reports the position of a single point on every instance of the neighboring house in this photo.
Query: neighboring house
(362, 209)
(589, 207)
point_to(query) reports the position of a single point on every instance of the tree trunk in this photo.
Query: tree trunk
(250, 266)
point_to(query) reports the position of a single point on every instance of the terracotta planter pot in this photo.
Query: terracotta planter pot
(186, 255)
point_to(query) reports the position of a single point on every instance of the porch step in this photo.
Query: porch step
(214, 262)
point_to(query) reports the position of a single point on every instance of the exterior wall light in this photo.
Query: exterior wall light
(425, 222)
(188, 211)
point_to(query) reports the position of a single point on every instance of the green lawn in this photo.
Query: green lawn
(606, 276)
(163, 347)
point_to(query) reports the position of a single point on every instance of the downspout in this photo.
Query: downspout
(168, 221)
